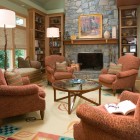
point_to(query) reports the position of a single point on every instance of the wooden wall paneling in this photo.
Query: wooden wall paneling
(127, 2)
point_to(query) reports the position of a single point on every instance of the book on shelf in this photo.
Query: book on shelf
(123, 107)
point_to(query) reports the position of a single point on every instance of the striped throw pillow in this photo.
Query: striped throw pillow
(13, 78)
(114, 68)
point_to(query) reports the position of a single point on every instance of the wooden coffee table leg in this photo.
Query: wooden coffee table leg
(54, 94)
(69, 103)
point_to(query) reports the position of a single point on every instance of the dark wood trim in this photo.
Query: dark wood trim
(127, 2)
(90, 41)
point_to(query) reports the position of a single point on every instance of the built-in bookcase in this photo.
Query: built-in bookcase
(128, 30)
(37, 36)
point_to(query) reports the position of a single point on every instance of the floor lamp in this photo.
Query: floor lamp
(7, 20)
(52, 33)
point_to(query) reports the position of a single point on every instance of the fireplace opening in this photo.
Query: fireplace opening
(90, 61)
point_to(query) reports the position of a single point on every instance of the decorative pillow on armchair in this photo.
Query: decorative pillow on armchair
(24, 63)
(61, 66)
(13, 78)
(114, 68)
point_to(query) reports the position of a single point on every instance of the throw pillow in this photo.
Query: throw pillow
(2, 79)
(61, 66)
(114, 68)
(23, 63)
(13, 78)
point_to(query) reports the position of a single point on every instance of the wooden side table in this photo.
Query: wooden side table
(76, 66)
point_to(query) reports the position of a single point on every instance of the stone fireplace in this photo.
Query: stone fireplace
(105, 51)
(109, 10)
(90, 61)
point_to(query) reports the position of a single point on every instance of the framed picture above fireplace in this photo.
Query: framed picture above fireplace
(90, 26)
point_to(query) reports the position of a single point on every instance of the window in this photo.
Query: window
(9, 57)
(16, 42)
(21, 21)
(19, 53)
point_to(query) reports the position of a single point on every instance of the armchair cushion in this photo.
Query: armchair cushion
(62, 75)
(107, 78)
(13, 78)
(61, 66)
(114, 68)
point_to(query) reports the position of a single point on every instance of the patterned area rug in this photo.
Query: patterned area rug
(9, 132)
(57, 122)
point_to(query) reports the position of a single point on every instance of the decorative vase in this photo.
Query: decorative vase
(124, 49)
(106, 34)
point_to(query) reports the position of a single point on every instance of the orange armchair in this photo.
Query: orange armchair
(124, 79)
(97, 124)
(17, 100)
(52, 73)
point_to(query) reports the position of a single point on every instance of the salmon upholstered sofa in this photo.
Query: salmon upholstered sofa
(97, 124)
(20, 99)
(30, 68)
(33, 72)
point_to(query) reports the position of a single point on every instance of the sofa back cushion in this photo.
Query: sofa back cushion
(13, 78)
(2, 78)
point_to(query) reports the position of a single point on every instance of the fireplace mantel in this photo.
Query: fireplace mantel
(90, 41)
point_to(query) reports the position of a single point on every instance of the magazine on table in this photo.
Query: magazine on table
(123, 107)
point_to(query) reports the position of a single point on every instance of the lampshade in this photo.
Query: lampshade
(52, 32)
(7, 18)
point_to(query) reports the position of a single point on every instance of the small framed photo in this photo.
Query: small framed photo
(133, 48)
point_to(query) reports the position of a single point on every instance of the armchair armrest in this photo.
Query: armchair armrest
(126, 73)
(127, 95)
(18, 90)
(110, 123)
(35, 64)
(104, 71)
(50, 70)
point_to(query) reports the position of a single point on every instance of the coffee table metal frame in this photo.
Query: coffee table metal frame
(76, 93)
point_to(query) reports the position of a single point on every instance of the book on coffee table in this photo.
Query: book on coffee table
(123, 107)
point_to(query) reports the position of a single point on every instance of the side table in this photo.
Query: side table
(76, 66)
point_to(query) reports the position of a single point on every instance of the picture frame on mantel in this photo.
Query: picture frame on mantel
(90, 26)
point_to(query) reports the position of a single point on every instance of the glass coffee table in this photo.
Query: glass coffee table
(76, 87)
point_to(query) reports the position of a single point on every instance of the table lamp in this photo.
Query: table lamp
(52, 32)
(7, 20)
